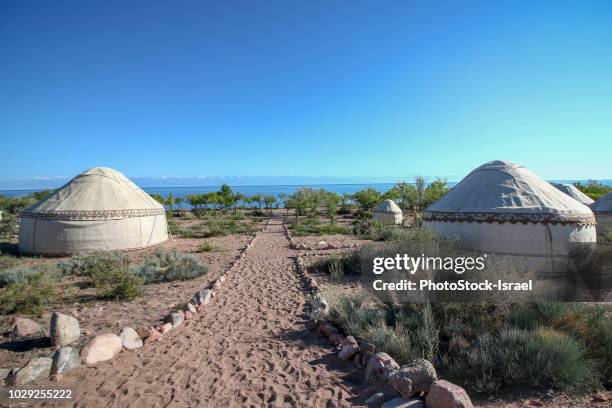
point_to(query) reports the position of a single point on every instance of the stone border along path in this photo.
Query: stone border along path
(64, 330)
(251, 347)
(414, 385)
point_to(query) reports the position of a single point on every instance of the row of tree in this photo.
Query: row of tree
(309, 201)
(225, 198)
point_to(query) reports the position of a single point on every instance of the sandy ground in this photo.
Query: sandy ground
(250, 347)
(100, 316)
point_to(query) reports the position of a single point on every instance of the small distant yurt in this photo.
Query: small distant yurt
(504, 208)
(98, 210)
(388, 213)
(603, 213)
(573, 192)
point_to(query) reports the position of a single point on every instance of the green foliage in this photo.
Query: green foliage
(594, 189)
(434, 191)
(486, 347)
(116, 283)
(205, 247)
(29, 296)
(19, 274)
(316, 228)
(408, 196)
(339, 266)
(367, 198)
(169, 266)
(6, 262)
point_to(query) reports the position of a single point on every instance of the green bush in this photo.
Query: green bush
(539, 357)
(29, 296)
(335, 266)
(7, 261)
(117, 283)
(94, 264)
(169, 266)
(205, 247)
(312, 227)
(486, 347)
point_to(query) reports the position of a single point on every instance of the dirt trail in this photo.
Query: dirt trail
(250, 347)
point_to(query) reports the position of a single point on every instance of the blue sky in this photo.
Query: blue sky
(347, 89)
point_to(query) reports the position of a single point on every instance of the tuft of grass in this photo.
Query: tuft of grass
(206, 247)
(169, 266)
(7, 261)
(30, 296)
(313, 227)
(335, 269)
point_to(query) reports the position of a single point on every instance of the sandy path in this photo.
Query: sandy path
(250, 347)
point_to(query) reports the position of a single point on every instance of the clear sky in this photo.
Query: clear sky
(311, 88)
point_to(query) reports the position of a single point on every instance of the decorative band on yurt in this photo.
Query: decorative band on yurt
(92, 215)
(512, 218)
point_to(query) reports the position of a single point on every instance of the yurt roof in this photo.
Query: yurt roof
(573, 192)
(501, 191)
(98, 193)
(388, 206)
(603, 205)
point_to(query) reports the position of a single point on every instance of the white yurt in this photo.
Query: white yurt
(388, 213)
(573, 192)
(504, 208)
(603, 213)
(98, 210)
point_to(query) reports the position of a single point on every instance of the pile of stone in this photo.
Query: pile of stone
(414, 385)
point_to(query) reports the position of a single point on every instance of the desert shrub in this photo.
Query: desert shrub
(348, 265)
(7, 261)
(94, 264)
(606, 237)
(540, 357)
(169, 266)
(205, 247)
(29, 296)
(335, 269)
(174, 228)
(117, 283)
(311, 226)
(21, 274)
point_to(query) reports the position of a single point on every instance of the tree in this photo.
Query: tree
(178, 201)
(593, 189)
(258, 199)
(237, 197)
(331, 201)
(419, 182)
(169, 201)
(436, 190)
(270, 200)
(367, 198)
(391, 194)
(195, 200)
(408, 195)
(225, 196)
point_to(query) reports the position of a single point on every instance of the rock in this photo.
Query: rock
(380, 367)
(322, 244)
(357, 359)
(349, 348)
(202, 297)
(101, 348)
(380, 396)
(175, 318)
(152, 335)
(367, 351)
(327, 329)
(65, 359)
(189, 307)
(130, 339)
(417, 376)
(335, 339)
(376, 400)
(535, 403)
(4, 374)
(598, 398)
(216, 285)
(22, 327)
(444, 394)
(188, 315)
(37, 368)
(221, 278)
(64, 329)
(402, 403)
(165, 328)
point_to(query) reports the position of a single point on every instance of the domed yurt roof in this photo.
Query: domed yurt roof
(501, 191)
(98, 193)
(98, 210)
(573, 192)
(603, 205)
(388, 206)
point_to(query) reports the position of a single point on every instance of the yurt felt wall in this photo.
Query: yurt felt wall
(504, 208)
(573, 192)
(603, 213)
(388, 213)
(98, 210)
